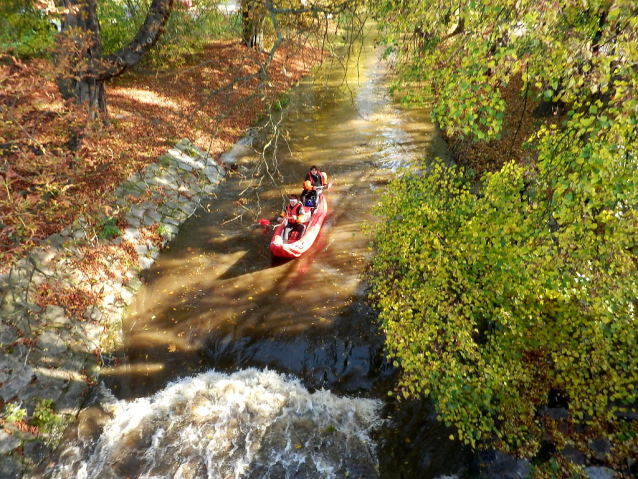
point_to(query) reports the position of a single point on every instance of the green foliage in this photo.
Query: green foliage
(189, 31)
(186, 33)
(24, 30)
(560, 49)
(109, 229)
(494, 303)
(162, 229)
(280, 103)
(119, 22)
(14, 413)
(491, 302)
(44, 417)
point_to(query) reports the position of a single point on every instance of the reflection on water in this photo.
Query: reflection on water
(251, 424)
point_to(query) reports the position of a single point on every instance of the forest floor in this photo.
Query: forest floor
(54, 169)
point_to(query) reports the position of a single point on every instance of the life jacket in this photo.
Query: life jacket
(320, 179)
(295, 210)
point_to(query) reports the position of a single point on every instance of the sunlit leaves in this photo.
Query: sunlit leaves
(490, 302)
(529, 287)
(458, 56)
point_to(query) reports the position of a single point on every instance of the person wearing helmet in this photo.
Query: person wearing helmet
(295, 216)
(314, 179)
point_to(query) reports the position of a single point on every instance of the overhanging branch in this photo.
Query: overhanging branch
(147, 36)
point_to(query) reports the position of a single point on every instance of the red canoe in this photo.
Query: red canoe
(295, 247)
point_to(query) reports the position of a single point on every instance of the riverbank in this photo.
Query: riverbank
(64, 288)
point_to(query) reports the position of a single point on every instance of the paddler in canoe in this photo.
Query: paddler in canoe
(296, 216)
(314, 180)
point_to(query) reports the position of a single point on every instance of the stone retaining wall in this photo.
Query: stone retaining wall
(46, 352)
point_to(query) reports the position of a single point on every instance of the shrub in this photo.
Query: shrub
(24, 30)
(14, 413)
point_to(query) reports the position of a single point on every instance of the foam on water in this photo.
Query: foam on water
(250, 424)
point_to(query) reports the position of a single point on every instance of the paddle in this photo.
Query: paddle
(265, 226)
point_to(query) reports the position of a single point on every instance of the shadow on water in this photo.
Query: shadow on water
(216, 299)
(277, 261)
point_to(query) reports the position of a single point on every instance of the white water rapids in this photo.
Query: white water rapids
(250, 424)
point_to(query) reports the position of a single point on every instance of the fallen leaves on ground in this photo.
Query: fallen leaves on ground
(55, 167)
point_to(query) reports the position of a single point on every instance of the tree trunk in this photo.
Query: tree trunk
(81, 45)
(80, 52)
(253, 17)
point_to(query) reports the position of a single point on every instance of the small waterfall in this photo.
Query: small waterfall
(250, 424)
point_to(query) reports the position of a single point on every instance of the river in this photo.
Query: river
(238, 365)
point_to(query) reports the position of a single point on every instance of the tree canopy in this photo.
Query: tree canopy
(504, 296)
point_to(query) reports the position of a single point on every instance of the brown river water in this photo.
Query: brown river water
(236, 364)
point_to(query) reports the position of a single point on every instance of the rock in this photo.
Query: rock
(79, 235)
(137, 211)
(36, 450)
(14, 376)
(8, 442)
(93, 313)
(556, 413)
(19, 277)
(72, 399)
(170, 227)
(47, 386)
(189, 208)
(599, 473)
(169, 221)
(10, 468)
(154, 216)
(134, 285)
(126, 295)
(52, 369)
(41, 257)
(574, 455)
(131, 234)
(91, 334)
(55, 315)
(132, 221)
(141, 249)
(498, 465)
(108, 299)
(146, 262)
(628, 411)
(51, 343)
(7, 335)
(56, 241)
(600, 447)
